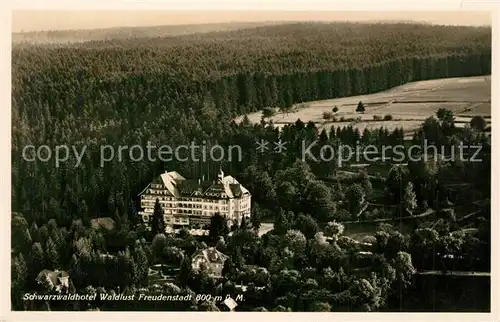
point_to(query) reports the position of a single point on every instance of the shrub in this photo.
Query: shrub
(268, 112)
(342, 215)
(327, 115)
(335, 109)
(377, 117)
(478, 123)
(388, 117)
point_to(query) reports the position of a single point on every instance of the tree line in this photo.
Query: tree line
(173, 90)
(176, 89)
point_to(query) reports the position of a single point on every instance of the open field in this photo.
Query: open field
(483, 109)
(408, 104)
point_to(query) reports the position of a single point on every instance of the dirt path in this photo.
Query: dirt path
(454, 273)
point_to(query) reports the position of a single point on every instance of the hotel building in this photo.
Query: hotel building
(191, 203)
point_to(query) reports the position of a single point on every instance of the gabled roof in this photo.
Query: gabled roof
(192, 187)
(144, 190)
(236, 190)
(105, 222)
(170, 184)
(211, 255)
(53, 276)
(175, 175)
(217, 190)
(231, 181)
(177, 185)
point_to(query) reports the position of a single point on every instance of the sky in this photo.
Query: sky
(64, 20)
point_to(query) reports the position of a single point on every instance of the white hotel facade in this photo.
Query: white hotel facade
(191, 203)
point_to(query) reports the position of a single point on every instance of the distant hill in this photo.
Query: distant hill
(122, 33)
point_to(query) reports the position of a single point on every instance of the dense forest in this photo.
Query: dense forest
(173, 90)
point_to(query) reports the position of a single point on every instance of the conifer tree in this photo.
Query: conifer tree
(255, 217)
(244, 223)
(157, 219)
(51, 254)
(360, 108)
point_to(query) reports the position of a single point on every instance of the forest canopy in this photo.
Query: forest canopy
(178, 89)
(175, 89)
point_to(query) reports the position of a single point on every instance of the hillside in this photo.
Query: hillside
(282, 49)
(409, 105)
(94, 124)
(122, 33)
(174, 89)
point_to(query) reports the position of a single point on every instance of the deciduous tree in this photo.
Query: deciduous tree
(355, 200)
(409, 199)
